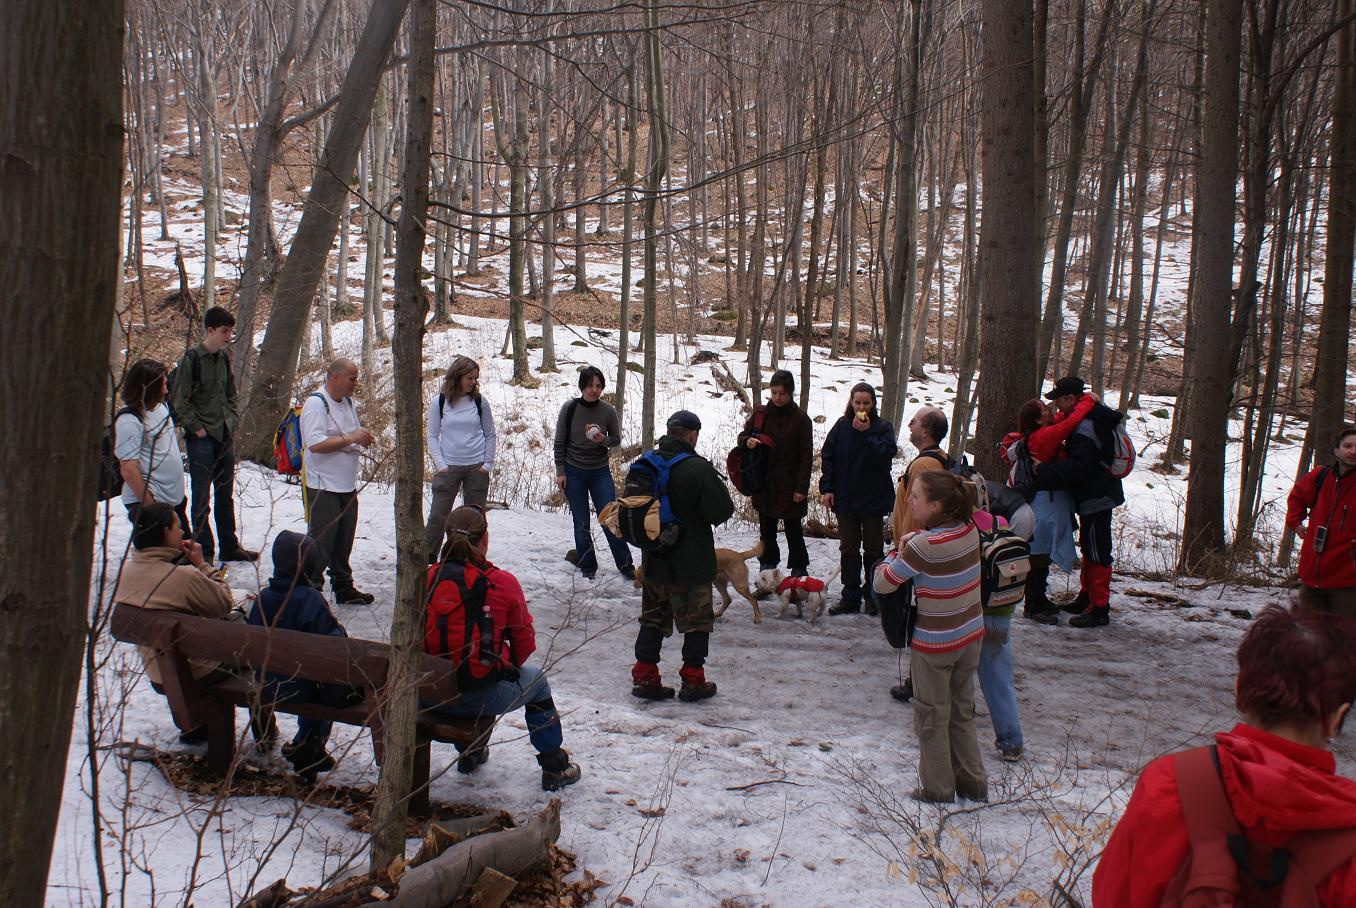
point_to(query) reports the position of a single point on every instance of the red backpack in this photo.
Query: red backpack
(458, 626)
(1224, 868)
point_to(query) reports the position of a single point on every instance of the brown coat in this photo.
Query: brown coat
(150, 579)
(901, 518)
(792, 458)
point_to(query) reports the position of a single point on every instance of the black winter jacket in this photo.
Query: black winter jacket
(700, 501)
(856, 468)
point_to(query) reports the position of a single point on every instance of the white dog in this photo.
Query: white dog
(806, 592)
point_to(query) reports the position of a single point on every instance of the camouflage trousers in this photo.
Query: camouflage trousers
(688, 606)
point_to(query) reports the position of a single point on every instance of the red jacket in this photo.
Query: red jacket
(1333, 506)
(1277, 788)
(1046, 443)
(504, 601)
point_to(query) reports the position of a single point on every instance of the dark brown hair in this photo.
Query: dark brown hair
(143, 387)
(867, 388)
(1029, 416)
(957, 496)
(783, 379)
(460, 368)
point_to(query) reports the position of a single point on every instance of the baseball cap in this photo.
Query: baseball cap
(685, 419)
(1069, 384)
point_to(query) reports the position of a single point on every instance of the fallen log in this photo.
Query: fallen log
(451, 876)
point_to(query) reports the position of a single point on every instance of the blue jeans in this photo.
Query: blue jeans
(580, 486)
(530, 691)
(995, 679)
(211, 472)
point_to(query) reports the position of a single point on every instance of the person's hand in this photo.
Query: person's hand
(360, 437)
(193, 551)
(201, 433)
(1302, 530)
(861, 425)
(595, 435)
(483, 470)
(827, 498)
(751, 443)
(560, 483)
(797, 497)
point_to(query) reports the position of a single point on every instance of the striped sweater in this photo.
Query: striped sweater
(943, 563)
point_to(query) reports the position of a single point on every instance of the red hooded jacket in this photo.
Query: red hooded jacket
(1044, 444)
(1277, 788)
(1332, 505)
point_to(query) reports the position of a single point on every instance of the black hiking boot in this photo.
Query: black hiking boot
(652, 691)
(1093, 617)
(557, 771)
(903, 692)
(471, 759)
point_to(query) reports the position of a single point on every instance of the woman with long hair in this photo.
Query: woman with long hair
(855, 484)
(144, 441)
(461, 441)
(494, 678)
(942, 560)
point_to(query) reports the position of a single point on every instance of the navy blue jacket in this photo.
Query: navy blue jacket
(1084, 471)
(856, 468)
(289, 602)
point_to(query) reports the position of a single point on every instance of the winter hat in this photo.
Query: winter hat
(295, 557)
(685, 419)
(1069, 384)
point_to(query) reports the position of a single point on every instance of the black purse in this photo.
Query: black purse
(898, 614)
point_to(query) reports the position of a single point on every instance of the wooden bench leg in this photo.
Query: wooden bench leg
(419, 779)
(221, 740)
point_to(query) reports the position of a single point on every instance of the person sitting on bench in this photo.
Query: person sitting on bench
(153, 577)
(290, 602)
(476, 616)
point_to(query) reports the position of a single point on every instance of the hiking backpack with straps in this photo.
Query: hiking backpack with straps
(748, 467)
(1022, 475)
(1121, 451)
(1004, 559)
(1223, 867)
(458, 626)
(480, 407)
(643, 515)
(288, 449)
(110, 470)
(955, 466)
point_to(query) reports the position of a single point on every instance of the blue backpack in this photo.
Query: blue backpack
(645, 517)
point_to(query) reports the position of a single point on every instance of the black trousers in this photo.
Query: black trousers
(797, 558)
(333, 524)
(861, 543)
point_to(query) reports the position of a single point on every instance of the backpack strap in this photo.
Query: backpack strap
(759, 414)
(441, 398)
(937, 455)
(1316, 854)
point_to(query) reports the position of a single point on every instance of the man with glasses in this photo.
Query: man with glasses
(203, 402)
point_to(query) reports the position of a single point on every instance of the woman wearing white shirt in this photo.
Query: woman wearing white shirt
(144, 442)
(461, 441)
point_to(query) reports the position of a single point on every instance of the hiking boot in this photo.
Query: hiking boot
(194, 737)
(1078, 605)
(308, 759)
(265, 732)
(903, 692)
(1011, 754)
(1041, 617)
(471, 759)
(869, 607)
(353, 596)
(239, 554)
(652, 691)
(572, 556)
(1093, 617)
(846, 608)
(557, 771)
(695, 686)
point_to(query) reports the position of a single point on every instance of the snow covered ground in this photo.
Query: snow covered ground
(788, 788)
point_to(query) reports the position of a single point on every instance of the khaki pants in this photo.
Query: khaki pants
(949, 762)
(1337, 601)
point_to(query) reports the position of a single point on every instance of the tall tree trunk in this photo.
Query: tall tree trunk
(628, 217)
(1334, 325)
(1216, 189)
(305, 264)
(60, 177)
(657, 166)
(548, 222)
(1009, 242)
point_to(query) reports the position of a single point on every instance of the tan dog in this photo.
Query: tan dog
(730, 571)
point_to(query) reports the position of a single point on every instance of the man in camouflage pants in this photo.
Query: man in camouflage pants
(677, 588)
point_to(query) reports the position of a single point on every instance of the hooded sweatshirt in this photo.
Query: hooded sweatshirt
(289, 602)
(1277, 788)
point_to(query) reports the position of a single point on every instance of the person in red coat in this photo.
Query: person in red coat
(1324, 498)
(1296, 681)
(495, 678)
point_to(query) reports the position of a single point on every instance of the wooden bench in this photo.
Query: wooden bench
(177, 637)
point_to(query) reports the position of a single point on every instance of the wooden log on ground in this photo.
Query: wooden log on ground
(451, 875)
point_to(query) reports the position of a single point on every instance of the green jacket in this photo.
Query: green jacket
(203, 396)
(700, 500)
